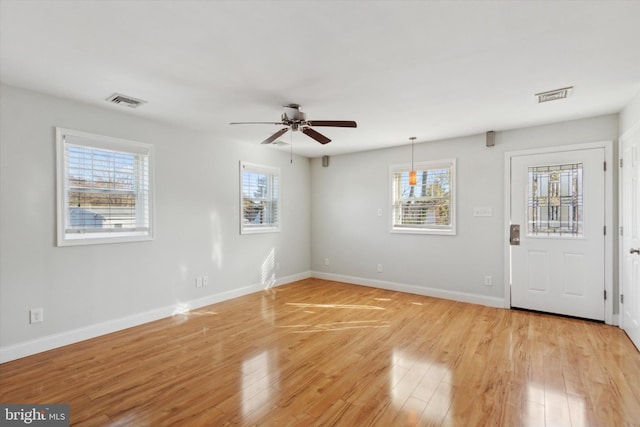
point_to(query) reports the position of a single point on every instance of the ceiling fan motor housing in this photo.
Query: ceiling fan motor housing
(292, 113)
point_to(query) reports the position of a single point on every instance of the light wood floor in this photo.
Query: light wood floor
(324, 353)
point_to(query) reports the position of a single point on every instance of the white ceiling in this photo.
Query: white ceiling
(430, 69)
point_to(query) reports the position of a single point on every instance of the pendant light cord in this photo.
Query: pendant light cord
(412, 139)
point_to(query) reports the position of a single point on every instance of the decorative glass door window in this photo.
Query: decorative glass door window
(554, 204)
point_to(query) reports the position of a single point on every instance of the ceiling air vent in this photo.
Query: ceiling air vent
(553, 95)
(125, 100)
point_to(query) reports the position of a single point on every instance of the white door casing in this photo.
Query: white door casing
(555, 272)
(630, 234)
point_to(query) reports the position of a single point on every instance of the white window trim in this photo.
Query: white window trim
(98, 141)
(267, 228)
(405, 167)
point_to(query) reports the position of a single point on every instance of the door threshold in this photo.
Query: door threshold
(566, 316)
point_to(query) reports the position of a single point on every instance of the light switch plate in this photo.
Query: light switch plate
(483, 211)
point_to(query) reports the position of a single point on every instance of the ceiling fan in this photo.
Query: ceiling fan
(296, 120)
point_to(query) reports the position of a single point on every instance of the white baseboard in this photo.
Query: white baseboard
(293, 278)
(410, 289)
(39, 345)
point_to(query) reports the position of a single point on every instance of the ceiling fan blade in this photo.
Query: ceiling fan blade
(275, 136)
(316, 135)
(333, 123)
(257, 123)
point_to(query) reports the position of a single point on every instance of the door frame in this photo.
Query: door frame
(608, 217)
(630, 133)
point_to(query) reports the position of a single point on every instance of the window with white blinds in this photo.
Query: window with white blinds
(429, 206)
(259, 198)
(104, 189)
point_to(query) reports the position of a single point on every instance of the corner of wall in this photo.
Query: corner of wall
(629, 117)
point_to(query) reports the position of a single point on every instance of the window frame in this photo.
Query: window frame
(272, 227)
(449, 230)
(99, 142)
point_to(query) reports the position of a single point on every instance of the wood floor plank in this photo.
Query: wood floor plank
(318, 353)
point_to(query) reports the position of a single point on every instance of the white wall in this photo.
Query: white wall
(630, 115)
(95, 289)
(345, 227)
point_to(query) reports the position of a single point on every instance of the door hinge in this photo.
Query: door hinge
(605, 166)
(621, 162)
(621, 299)
(605, 230)
(621, 231)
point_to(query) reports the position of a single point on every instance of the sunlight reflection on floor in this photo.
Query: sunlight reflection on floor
(420, 388)
(267, 309)
(184, 309)
(349, 306)
(338, 326)
(335, 326)
(554, 406)
(257, 380)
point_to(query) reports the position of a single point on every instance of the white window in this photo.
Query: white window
(259, 198)
(429, 206)
(104, 189)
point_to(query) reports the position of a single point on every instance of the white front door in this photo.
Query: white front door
(630, 247)
(558, 201)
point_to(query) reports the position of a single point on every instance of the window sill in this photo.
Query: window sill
(260, 230)
(431, 231)
(78, 239)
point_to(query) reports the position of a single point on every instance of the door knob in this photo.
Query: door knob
(634, 251)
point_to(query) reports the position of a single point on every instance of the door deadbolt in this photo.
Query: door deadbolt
(514, 234)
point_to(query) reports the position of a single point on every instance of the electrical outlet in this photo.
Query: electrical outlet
(488, 280)
(205, 280)
(36, 315)
(199, 282)
(326, 261)
(379, 268)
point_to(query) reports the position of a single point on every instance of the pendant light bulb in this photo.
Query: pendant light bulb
(413, 176)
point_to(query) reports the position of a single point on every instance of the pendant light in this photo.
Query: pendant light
(413, 178)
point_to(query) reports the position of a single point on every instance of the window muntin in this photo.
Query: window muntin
(259, 198)
(429, 206)
(555, 201)
(104, 190)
